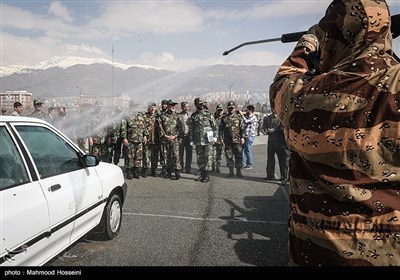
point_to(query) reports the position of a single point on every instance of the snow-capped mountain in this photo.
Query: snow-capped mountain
(11, 69)
(64, 62)
(70, 76)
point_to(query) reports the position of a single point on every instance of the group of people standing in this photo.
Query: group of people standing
(145, 139)
(168, 138)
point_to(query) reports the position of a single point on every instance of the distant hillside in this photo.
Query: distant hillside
(139, 82)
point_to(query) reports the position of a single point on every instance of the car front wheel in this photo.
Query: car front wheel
(112, 217)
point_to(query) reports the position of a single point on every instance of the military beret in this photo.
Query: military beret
(37, 101)
(170, 102)
(231, 104)
(198, 100)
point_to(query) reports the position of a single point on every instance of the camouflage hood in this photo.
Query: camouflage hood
(355, 35)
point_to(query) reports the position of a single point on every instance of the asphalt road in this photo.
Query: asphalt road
(226, 222)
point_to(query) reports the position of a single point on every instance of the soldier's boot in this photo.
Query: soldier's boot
(129, 174)
(177, 175)
(153, 172)
(230, 174)
(206, 177)
(163, 171)
(218, 168)
(136, 173)
(201, 176)
(239, 173)
(144, 172)
(168, 174)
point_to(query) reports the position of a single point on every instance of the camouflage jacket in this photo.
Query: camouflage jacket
(134, 128)
(201, 123)
(152, 128)
(117, 126)
(100, 129)
(218, 120)
(343, 129)
(168, 125)
(41, 115)
(231, 128)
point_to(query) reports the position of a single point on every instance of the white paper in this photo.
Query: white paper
(210, 136)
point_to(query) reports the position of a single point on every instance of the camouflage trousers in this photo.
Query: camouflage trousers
(217, 154)
(162, 158)
(117, 151)
(103, 151)
(150, 155)
(204, 157)
(170, 152)
(134, 155)
(234, 155)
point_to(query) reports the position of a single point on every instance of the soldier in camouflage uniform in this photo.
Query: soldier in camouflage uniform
(151, 148)
(203, 134)
(231, 132)
(185, 149)
(82, 131)
(134, 135)
(38, 113)
(169, 140)
(163, 109)
(218, 147)
(101, 134)
(117, 140)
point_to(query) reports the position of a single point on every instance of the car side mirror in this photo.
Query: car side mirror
(90, 160)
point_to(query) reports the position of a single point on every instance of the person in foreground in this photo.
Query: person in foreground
(342, 123)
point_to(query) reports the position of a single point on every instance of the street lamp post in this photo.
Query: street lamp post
(80, 90)
(80, 95)
(230, 88)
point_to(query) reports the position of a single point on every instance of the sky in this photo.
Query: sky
(174, 35)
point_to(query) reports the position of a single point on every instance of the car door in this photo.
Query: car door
(73, 192)
(24, 217)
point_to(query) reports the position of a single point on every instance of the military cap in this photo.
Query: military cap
(170, 102)
(231, 104)
(220, 107)
(98, 104)
(152, 104)
(184, 103)
(37, 101)
(164, 101)
(3, 109)
(198, 100)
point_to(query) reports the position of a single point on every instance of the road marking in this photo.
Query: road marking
(284, 192)
(207, 219)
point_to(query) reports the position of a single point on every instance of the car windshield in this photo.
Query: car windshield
(52, 158)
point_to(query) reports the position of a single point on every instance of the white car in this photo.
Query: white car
(51, 193)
